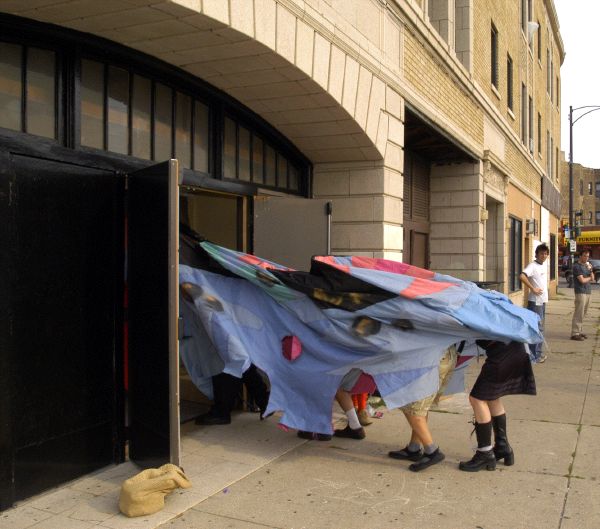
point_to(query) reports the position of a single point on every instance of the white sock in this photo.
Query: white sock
(484, 448)
(353, 421)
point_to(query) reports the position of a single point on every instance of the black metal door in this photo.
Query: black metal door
(153, 232)
(62, 341)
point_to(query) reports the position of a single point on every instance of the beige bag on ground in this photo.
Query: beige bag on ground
(145, 492)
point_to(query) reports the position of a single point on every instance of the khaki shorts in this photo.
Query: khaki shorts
(447, 364)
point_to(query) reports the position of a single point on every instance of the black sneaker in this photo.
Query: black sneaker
(358, 433)
(314, 436)
(428, 460)
(406, 455)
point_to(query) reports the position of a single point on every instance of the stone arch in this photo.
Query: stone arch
(288, 65)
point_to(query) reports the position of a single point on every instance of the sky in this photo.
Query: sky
(580, 78)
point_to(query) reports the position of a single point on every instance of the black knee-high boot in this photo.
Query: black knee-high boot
(502, 450)
(481, 459)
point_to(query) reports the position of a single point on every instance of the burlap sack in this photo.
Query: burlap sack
(145, 492)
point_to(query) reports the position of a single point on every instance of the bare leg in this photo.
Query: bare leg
(481, 410)
(420, 429)
(496, 407)
(344, 399)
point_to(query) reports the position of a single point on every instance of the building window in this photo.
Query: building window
(551, 79)
(524, 16)
(523, 114)
(539, 134)
(590, 217)
(494, 56)
(248, 157)
(515, 254)
(597, 189)
(509, 82)
(580, 187)
(548, 76)
(539, 46)
(552, 256)
(28, 90)
(548, 155)
(530, 123)
(557, 92)
(597, 218)
(590, 188)
(135, 110)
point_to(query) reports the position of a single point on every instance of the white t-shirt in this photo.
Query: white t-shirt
(538, 277)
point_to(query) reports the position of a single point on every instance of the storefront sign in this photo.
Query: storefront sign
(589, 237)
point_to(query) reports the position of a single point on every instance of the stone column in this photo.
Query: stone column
(441, 16)
(457, 228)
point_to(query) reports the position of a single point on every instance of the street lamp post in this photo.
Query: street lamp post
(589, 110)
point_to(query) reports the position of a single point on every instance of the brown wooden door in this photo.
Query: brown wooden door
(416, 210)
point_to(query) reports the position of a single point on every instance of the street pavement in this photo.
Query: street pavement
(349, 484)
(252, 475)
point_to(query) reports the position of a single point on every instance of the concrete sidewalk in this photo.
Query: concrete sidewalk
(251, 475)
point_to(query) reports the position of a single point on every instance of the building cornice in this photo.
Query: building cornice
(553, 17)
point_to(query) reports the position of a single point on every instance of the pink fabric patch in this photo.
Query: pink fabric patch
(257, 261)
(395, 267)
(291, 347)
(330, 260)
(424, 287)
(283, 427)
(364, 384)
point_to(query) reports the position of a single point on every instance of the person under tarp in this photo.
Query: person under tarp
(391, 320)
(199, 356)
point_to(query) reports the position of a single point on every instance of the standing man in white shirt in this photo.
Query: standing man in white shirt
(535, 277)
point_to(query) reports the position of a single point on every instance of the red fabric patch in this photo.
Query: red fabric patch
(291, 347)
(364, 384)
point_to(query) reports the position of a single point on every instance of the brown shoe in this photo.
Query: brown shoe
(358, 433)
(577, 337)
(363, 418)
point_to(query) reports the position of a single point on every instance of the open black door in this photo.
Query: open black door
(152, 279)
(61, 346)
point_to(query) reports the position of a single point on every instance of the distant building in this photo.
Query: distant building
(586, 204)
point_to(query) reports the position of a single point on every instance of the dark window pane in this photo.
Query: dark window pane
(282, 166)
(41, 89)
(163, 118)
(118, 110)
(183, 129)
(244, 154)
(200, 137)
(229, 149)
(11, 86)
(270, 167)
(293, 178)
(257, 160)
(141, 108)
(92, 104)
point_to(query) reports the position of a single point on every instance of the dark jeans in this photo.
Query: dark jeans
(540, 310)
(227, 388)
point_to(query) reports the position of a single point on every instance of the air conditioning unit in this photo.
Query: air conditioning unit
(531, 227)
